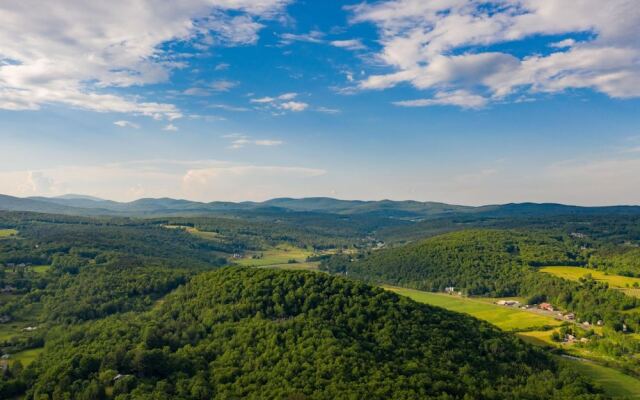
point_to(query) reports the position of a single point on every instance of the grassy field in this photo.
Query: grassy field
(195, 231)
(41, 269)
(506, 318)
(275, 256)
(539, 338)
(615, 383)
(26, 357)
(300, 266)
(623, 283)
(5, 233)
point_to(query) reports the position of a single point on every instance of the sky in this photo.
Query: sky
(458, 101)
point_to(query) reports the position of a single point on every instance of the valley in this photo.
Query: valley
(114, 283)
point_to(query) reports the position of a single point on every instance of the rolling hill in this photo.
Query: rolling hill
(403, 210)
(254, 334)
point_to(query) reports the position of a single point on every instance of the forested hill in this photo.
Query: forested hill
(479, 261)
(494, 263)
(388, 209)
(255, 334)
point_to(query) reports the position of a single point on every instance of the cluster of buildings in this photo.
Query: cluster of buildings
(452, 290)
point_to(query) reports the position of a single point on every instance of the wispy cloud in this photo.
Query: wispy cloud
(227, 107)
(295, 106)
(328, 110)
(126, 124)
(349, 44)
(460, 98)
(282, 103)
(170, 128)
(311, 37)
(239, 141)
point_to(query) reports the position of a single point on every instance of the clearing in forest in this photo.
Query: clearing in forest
(5, 233)
(624, 283)
(506, 318)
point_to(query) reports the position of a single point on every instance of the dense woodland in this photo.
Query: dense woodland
(143, 299)
(241, 333)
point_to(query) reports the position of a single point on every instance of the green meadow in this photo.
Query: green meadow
(298, 266)
(506, 318)
(26, 357)
(623, 283)
(5, 233)
(614, 382)
(41, 269)
(278, 255)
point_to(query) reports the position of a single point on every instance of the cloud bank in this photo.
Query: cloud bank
(79, 53)
(460, 47)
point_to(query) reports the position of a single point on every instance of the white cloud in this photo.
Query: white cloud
(263, 100)
(328, 110)
(288, 96)
(311, 37)
(203, 180)
(268, 142)
(239, 141)
(73, 53)
(223, 85)
(349, 44)
(442, 45)
(460, 98)
(221, 67)
(126, 124)
(295, 106)
(227, 107)
(563, 43)
(37, 182)
(280, 104)
(170, 128)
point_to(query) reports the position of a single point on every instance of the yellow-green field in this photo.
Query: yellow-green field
(275, 256)
(300, 266)
(623, 283)
(195, 231)
(506, 318)
(539, 338)
(26, 357)
(41, 269)
(5, 233)
(614, 382)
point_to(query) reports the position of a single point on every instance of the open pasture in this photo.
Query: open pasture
(624, 283)
(7, 233)
(275, 256)
(506, 318)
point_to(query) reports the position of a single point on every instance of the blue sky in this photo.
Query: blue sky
(450, 100)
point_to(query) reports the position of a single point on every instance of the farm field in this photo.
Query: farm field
(539, 338)
(614, 382)
(300, 266)
(195, 231)
(5, 233)
(506, 318)
(623, 283)
(41, 269)
(26, 357)
(275, 256)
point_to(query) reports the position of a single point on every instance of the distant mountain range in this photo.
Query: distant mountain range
(410, 210)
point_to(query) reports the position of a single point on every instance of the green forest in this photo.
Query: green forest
(100, 307)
